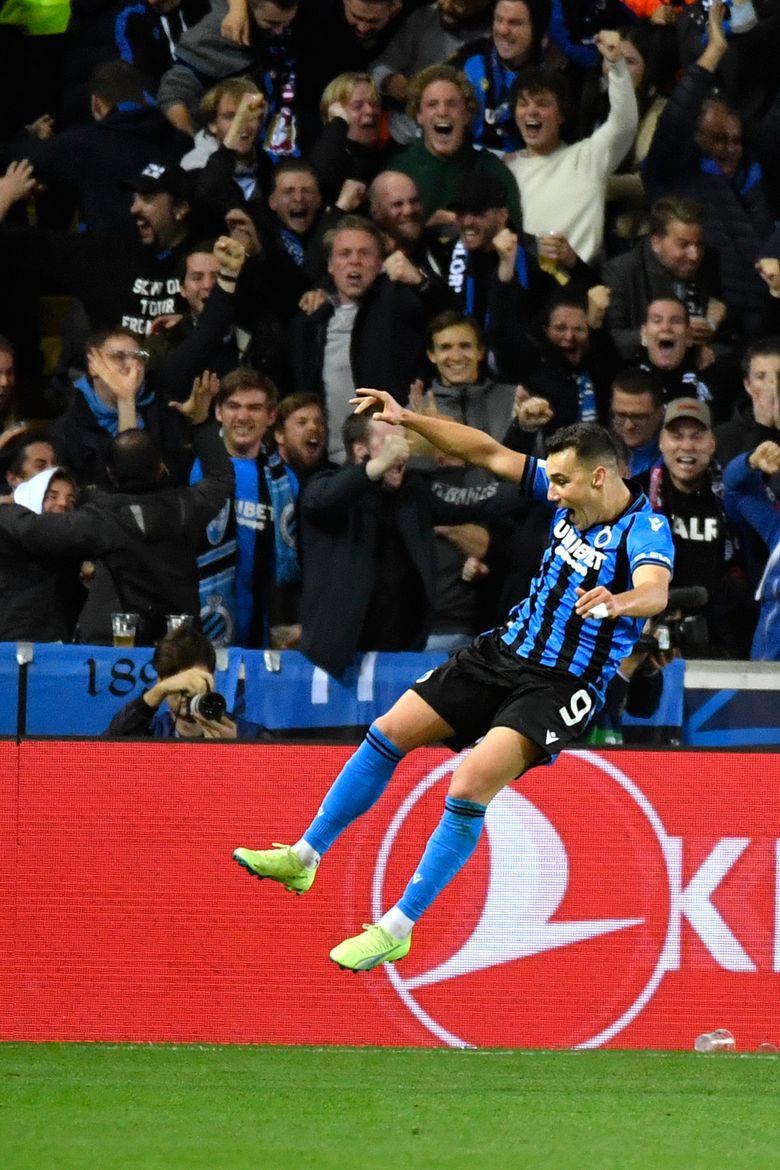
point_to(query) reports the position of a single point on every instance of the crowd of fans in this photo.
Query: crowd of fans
(218, 220)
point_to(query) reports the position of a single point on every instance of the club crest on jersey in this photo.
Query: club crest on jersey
(575, 551)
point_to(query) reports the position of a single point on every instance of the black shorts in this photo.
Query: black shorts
(485, 685)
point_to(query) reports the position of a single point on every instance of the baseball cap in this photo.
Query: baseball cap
(156, 178)
(479, 193)
(688, 408)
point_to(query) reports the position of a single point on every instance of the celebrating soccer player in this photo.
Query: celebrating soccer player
(524, 690)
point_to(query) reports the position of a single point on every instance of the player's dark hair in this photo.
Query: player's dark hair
(182, 648)
(592, 444)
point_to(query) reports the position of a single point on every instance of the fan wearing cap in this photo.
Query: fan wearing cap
(125, 277)
(496, 275)
(687, 488)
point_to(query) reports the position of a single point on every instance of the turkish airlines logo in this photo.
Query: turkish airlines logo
(568, 917)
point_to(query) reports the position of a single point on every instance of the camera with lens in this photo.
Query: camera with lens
(677, 628)
(210, 705)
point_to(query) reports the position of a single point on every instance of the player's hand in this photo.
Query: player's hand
(715, 34)
(766, 458)
(391, 411)
(204, 390)
(597, 603)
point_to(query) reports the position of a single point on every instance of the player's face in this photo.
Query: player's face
(687, 448)
(245, 416)
(443, 118)
(573, 486)
(456, 353)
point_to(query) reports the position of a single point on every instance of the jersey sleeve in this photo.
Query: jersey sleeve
(535, 483)
(650, 542)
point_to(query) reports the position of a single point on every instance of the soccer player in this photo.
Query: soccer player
(524, 690)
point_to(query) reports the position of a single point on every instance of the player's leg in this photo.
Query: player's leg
(409, 723)
(501, 756)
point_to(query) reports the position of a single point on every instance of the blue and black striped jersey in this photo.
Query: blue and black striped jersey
(544, 629)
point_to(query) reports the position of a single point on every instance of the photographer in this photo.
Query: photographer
(184, 661)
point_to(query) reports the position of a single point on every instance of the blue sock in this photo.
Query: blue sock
(449, 847)
(357, 787)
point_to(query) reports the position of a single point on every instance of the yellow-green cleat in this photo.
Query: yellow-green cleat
(279, 864)
(374, 946)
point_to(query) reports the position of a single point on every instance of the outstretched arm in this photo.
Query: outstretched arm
(451, 437)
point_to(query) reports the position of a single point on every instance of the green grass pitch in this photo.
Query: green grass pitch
(166, 1107)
